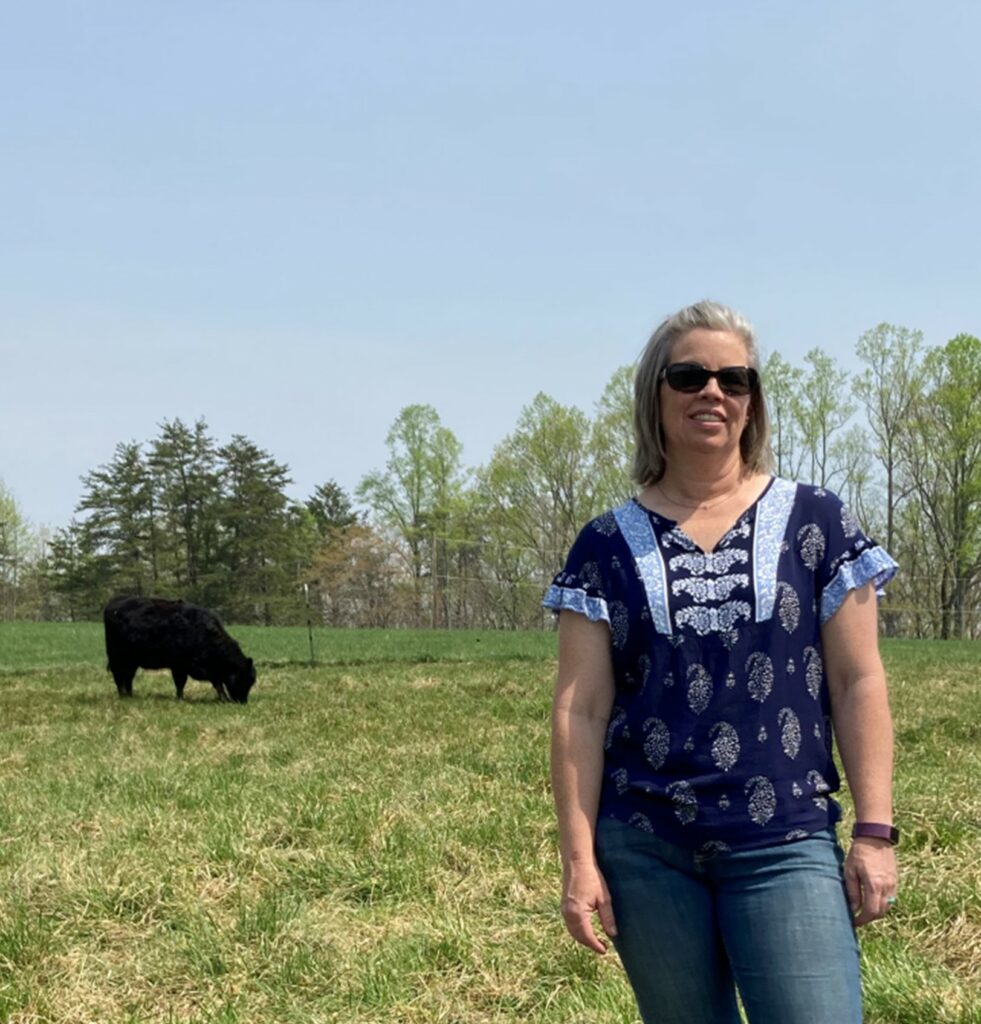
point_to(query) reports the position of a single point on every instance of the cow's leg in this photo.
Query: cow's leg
(180, 678)
(123, 676)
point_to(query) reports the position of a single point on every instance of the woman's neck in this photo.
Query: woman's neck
(699, 483)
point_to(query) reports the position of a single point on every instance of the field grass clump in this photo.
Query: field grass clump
(372, 841)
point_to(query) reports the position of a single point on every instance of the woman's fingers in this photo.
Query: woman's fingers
(854, 889)
(870, 878)
(605, 911)
(579, 922)
(585, 896)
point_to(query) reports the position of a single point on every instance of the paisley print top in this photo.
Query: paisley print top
(720, 733)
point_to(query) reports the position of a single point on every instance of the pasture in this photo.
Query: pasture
(371, 840)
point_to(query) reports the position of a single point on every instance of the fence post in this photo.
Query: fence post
(433, 570)
(306, 602)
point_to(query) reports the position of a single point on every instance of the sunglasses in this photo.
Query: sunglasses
(692, 377)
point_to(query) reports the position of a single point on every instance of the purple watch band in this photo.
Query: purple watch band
(874, 830)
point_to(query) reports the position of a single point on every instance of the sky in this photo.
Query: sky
(294, 218)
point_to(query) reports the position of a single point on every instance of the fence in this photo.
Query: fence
(477, 583)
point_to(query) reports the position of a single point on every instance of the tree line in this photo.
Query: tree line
(426, 541)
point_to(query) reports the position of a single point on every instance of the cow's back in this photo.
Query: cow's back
(149, 632)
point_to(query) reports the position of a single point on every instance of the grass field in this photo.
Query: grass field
(371, 839)
(32, 645)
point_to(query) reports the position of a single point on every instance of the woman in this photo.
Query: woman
(711, 632)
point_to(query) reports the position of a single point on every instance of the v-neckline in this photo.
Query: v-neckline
(675, 525)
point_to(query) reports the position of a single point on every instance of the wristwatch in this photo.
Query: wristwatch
(873, 830)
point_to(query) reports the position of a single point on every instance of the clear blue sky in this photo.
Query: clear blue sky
(294, 218)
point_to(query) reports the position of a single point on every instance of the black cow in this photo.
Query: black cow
(152, 632)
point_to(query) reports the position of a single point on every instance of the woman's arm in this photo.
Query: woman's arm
(863, 730)
(580, 714)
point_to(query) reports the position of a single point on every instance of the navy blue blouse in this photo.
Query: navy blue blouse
(720, 733)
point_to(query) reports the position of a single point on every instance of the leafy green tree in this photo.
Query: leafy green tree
(16, 549)
(887, 389)
(912, 607)
(821, 409)
(541, 489)
(463, 591)
(415, 495)
(782, 384)
(942, 455)
(851, 453)
(511, 571)
(611, 440)
(541, 476)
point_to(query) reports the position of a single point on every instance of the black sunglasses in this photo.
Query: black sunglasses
(692, 377)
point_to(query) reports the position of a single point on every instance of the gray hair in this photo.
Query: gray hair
(649, 452)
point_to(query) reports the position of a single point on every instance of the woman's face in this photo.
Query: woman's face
(707, 421)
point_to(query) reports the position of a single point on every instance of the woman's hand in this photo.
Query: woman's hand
(870, 878)
(584, 893)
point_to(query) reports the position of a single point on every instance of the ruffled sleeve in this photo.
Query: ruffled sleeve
(580, 586)
(852, 559)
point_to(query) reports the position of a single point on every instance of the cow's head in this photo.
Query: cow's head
(240, 680)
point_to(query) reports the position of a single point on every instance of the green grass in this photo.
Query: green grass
(32, 645)
(372, 841)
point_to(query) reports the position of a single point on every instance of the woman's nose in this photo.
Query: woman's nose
(712, 388)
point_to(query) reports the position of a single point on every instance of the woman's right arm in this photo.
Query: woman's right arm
(580, 715)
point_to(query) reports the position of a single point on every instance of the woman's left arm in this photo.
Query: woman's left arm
(863, 731)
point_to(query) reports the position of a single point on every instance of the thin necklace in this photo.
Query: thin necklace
(701, 506)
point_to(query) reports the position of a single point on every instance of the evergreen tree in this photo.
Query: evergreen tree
(79, 580)
(184, 463)
(259, 550)
(331, 508)
(120, 529)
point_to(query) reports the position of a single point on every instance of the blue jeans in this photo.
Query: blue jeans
(773, 922)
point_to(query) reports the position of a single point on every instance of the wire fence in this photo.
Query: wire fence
(455, 581)
(443, 601)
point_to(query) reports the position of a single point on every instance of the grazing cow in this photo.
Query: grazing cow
(151, 632)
